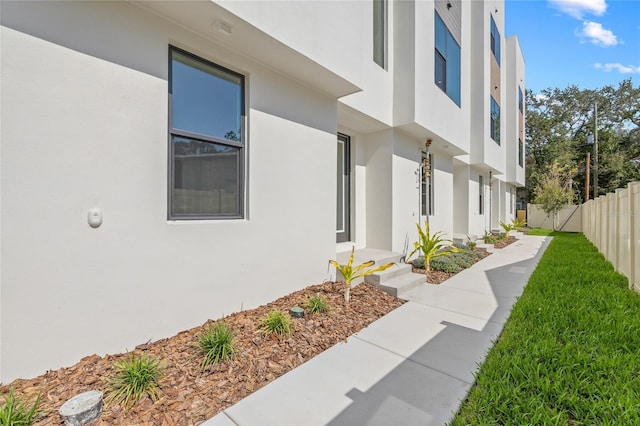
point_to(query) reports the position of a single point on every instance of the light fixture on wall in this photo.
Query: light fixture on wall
(222, 26)
(449, 5)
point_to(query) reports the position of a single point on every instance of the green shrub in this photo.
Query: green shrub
(445, 264)
(275, 322)
(317, 304)
(134, 377)
(490, 238)
(418, 263)
(471, 243)
(216, 344)
(16, 411)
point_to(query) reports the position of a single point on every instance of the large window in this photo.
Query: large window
(495, 121)
(426, 186)
(206, 139)
(447, 61)
(495, 41)
(380, 32)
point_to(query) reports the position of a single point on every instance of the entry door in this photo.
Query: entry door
(342, 212)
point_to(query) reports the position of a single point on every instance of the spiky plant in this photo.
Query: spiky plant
(16, 411)
(216, 344)
(134, 377)
(275, 322)
(350, 273)
(432, 246)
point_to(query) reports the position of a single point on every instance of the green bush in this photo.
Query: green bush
(17, 411)
(445, 264)
(134, 377)
(216, 344)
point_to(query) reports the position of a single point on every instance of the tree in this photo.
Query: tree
(554, 189)
(560, 123)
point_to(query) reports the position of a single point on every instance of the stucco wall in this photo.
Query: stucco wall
(85, 125)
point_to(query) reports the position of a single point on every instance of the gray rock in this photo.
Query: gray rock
(82, 408)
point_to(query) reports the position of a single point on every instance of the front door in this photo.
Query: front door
(342, 212)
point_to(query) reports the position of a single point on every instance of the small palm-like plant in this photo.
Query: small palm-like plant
(275, 322)
(432, 246)
(519, 224)
(507, 227)
(216, 344)
(350, 273)
(317, 304)
(134, 377)
(16, 411)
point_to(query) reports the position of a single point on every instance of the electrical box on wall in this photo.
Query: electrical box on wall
(94, 217)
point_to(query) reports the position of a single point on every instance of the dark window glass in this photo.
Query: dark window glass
(495, 121)
(379, 31)
(207, 108)
(426, 187)
(520, 152)
(441, 72)
(495, 41)
(520, 100)
(447, 61)
(480, 194)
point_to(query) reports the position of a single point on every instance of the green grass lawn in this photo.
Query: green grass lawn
(570, 352)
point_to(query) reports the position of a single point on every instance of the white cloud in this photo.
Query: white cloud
(622, 69)
(597, 35)
(578, 8)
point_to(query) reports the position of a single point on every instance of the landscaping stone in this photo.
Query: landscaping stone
(82, 408)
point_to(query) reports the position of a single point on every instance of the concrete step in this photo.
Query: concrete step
(402, 284)
(397, 270)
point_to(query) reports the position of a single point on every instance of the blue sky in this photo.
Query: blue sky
(589, 43)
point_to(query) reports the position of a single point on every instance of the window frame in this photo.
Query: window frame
(427, 185)
(480, 195)
(520, 100)
(520, 152)
(452, 83)
(495, 41)
(240, 144)
(380, 41)
(495, 120)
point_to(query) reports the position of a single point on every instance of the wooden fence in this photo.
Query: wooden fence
(612, 223)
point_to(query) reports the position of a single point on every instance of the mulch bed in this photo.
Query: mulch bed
(190, 396)
(438, 277)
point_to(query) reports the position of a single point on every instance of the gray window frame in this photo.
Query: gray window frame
(241, 144)
(495, 40)
(451, 88)
(495, 120)
(380, 18)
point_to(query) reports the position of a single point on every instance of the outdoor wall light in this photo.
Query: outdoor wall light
(222, 26)
(448, 5)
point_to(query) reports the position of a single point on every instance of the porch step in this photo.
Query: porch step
(396, 281)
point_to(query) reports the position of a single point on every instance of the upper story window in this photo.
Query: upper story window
(447, 61)
(380, 32)
(520, 152)
(495, 41)
(520, 100)
(206, 139)
(495, 121)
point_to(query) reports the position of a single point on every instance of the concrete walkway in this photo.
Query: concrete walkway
(411, 367)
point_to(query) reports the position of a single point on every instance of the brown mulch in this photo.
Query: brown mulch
(505, 242)
(190, 396)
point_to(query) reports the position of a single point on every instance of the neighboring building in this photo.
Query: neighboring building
(228, 149)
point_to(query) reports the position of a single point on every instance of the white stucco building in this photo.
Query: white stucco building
(163, 163)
